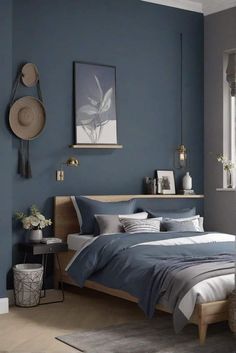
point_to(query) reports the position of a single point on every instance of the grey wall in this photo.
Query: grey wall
(142, 41)
(5, 144)
(220, 34)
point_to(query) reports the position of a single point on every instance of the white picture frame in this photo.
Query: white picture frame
(166, 182)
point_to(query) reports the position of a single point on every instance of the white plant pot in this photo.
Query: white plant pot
(35, 235)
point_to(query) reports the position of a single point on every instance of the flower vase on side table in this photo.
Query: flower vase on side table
(35, 235)
(34, 222)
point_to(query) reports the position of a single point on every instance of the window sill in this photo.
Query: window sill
(226, 189)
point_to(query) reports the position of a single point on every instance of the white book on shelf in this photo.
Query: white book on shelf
(51, 240)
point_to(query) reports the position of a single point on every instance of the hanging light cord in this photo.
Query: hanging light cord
(181, 87)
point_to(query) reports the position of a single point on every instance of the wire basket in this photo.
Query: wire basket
(28, 280)
(232, 311)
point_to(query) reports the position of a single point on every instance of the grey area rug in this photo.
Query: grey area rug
(154, 336)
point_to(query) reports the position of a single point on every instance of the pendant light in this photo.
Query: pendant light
(181, 151)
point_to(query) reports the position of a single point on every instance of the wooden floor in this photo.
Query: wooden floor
(33, 330)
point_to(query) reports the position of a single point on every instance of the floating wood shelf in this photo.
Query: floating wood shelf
(144, 196)
(176, 196)
(226, 189)
(111, 146)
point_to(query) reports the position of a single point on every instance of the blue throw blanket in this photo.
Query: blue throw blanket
(150, 271)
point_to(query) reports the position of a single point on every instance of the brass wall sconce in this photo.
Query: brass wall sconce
(71, 162)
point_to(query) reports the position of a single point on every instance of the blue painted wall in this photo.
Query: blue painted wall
(5, 144)
(142, 41)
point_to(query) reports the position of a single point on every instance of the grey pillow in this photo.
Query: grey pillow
(183, 226)
(181, 213)
(110, 224)
(150, 225)
(197, 222)
(87, 208)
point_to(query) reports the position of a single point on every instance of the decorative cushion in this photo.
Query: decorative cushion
(181, 213)
(150, 225)
(86, 209)
(194, 224)
(110, 224)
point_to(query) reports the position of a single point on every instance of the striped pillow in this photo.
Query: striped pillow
(150, 225)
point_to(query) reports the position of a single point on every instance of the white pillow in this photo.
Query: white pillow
(139, 215)
(182, 219)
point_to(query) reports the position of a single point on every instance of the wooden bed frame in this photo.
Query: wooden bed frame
(65, 222)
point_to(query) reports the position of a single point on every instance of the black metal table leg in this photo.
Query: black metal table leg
(61, 279)
(44, 262)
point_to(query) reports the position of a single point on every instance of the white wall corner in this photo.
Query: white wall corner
(4, 305)
(180, 4)
(207, 7)
(211, 7)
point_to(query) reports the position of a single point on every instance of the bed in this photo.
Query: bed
(66, 223)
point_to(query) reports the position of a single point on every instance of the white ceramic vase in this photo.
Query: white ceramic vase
(35, 235)
(187, 182)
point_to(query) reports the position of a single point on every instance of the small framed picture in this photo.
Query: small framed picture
(166, 182)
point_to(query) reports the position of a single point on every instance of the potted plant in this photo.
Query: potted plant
(228, 167)
(34, 222)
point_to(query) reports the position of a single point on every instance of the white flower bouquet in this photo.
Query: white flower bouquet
(33, 221)
(228, 165)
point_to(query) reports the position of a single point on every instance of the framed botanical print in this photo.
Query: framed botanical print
(95, 103)
(166, 182)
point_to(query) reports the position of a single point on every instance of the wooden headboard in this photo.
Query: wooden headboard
(65, 218)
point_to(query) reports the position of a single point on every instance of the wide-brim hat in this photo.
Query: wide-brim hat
(27, 118)
(30, 75)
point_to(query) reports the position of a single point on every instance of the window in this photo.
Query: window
(229, 131)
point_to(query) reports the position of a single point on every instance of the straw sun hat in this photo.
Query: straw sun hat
(27, 118)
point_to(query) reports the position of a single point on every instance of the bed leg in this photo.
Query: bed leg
(202, 329)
